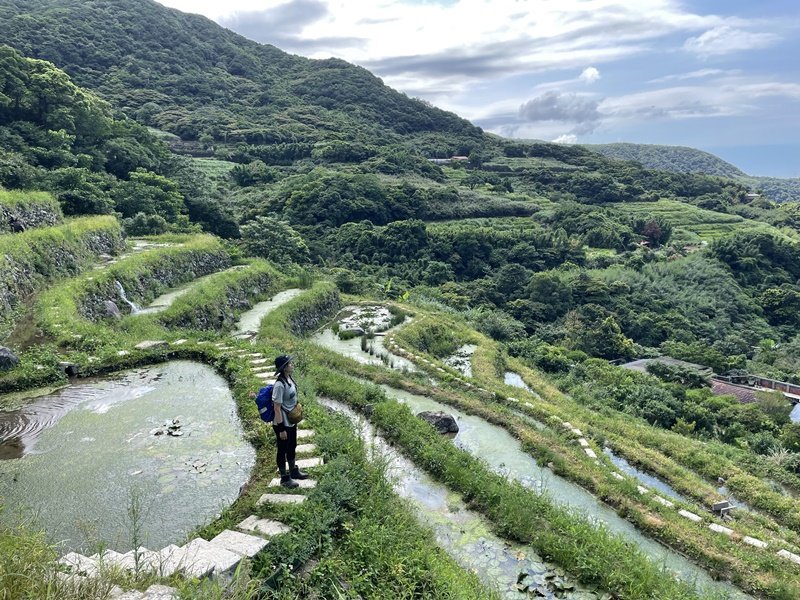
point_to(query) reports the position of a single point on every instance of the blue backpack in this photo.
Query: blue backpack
(264, 403)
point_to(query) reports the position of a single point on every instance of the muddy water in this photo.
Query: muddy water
(250, 321)
(498, 448)
(515, 379)
(646, 479)
(462, 359)
(352, 349)
(164, 301)
(465, 535)
(77, 457)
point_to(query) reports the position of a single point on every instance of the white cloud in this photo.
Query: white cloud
(579, 110)
(725, 39)
(567, 138)
(589, 75)
(444, 46)
(699, 74)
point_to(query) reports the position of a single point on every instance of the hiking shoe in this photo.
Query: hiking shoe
(288, 482)
(296, 473)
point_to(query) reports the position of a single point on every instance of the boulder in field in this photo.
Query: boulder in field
(8, 360)
(443, 422)
(112, 310)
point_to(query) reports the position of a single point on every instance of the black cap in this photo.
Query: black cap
(281, 362)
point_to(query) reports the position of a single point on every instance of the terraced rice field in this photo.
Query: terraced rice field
(707, 225)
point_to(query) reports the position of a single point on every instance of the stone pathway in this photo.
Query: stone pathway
(198, 557)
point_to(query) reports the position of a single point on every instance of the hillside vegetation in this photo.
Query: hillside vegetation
(262, 171)
(678, 159)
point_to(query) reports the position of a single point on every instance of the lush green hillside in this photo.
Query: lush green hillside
(678, 159)
(185, 74)
(346, 191)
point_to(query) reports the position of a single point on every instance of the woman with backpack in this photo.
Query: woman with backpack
(284, 399)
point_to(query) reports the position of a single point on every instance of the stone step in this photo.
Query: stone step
(281, 498)
(663, 501)
(259, 361)
(154, 592)
(129, 595)
(754, 542)
(72, 579)
(245, 354)
(240, 543)
(266, 375)
(789, 556)
(145, 558)
(303, 434)
(305, 448)
(720, 529)
(150, 344)
(179, 342)
(107, 558)
(690, 515)
(309, 463)
(200, 558)
(266, 527)
(161, 592)
(80, 564)
(264, 369)
(162, 559)
(303, 484)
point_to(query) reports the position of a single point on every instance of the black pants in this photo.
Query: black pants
(286, 448)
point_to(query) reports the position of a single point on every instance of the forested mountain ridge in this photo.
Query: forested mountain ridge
(682, 159)
(678, 159)
(187, 75)
(324, 153)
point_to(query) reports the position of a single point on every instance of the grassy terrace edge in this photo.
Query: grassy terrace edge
(76, 305)
(753, 570)
(518, 513)
(28, 209)
(351, 507)
(34, 258)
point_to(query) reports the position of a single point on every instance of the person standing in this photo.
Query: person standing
(284, 399)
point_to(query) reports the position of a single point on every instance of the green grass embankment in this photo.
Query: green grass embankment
(71, 309)
(591, 553)
(32, 259)
(27, 210)
(303, 314)
(757, 571)
(214, 303)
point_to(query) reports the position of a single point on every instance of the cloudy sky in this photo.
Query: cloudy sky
(720, 75)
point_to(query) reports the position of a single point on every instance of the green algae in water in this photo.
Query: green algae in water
(83, 471)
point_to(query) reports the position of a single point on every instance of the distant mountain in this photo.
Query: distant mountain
(187, 75)
(678, 159)
(681, 159)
